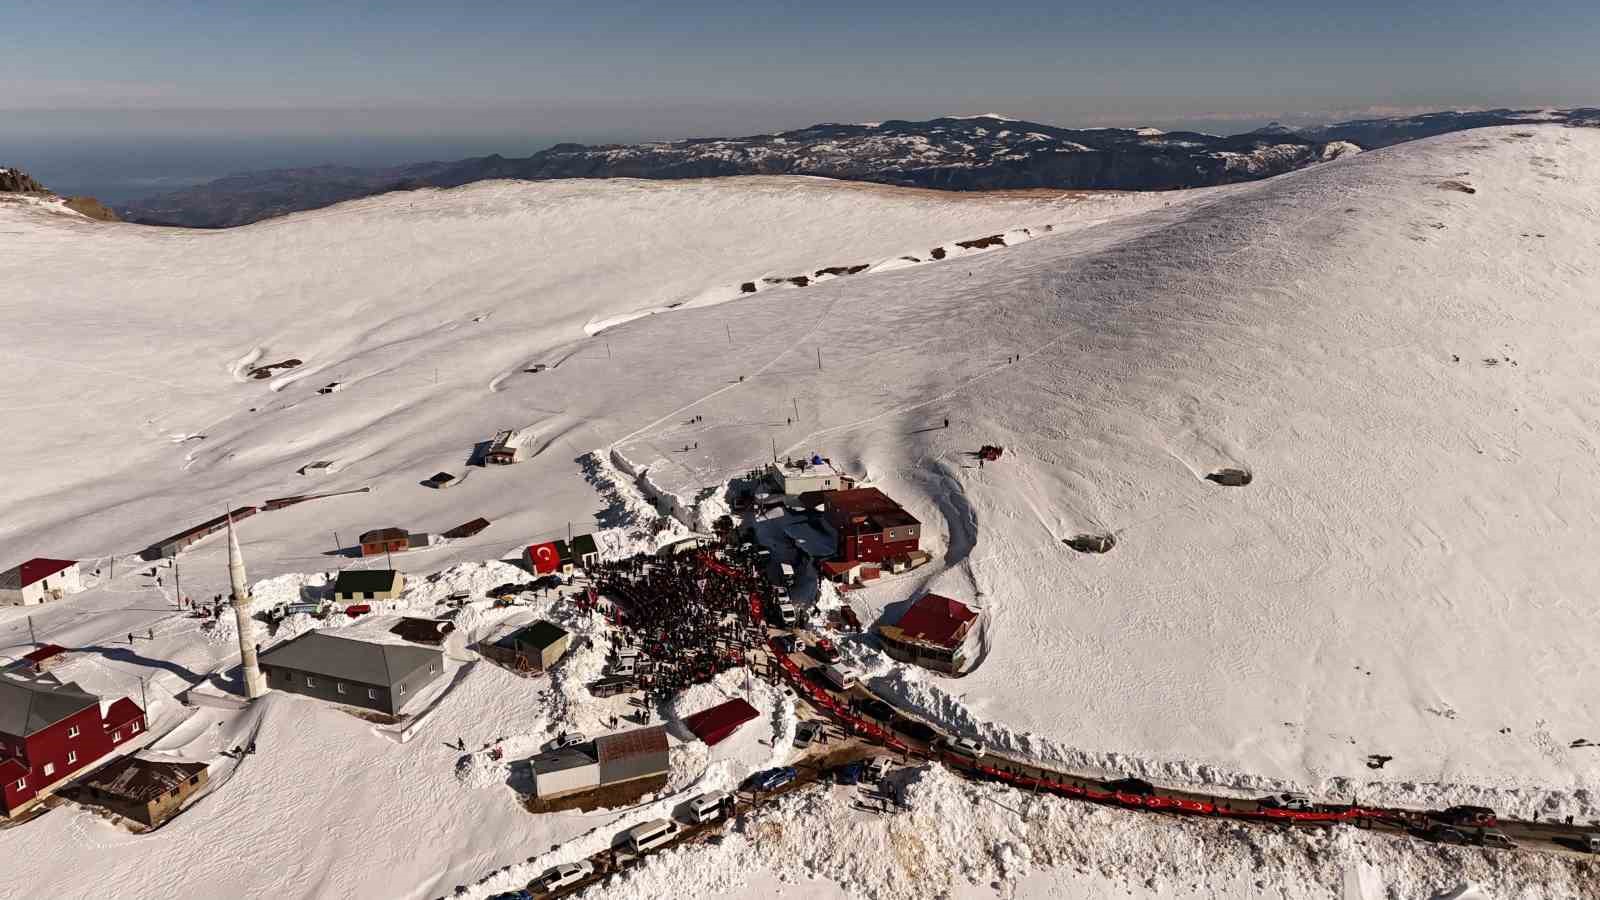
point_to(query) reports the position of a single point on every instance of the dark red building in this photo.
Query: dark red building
(385, 540)
(49, 732)
(871, 527)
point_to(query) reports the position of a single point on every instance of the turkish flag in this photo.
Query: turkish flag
(544, 558)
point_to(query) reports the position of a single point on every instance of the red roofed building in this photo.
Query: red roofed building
(934, 633)
(871, 527)
(716, 724)
(49, 732)
(38, 580)
(43, 659)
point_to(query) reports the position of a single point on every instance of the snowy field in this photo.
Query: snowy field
(1406, 368)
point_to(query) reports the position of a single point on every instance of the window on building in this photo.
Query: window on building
(310, 682)
(49, 769)
(194, 779)
(116, 737)
(72, 757)
(133, 728)
(402, 689)
(339, 686)
(72, 731)
(22, 784)
(372, 693)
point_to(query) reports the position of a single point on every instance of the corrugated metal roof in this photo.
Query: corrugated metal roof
(627, 744)
(29, 707)
(565, 758)
(350, 659)
(715, 724)
(383, 534)
(937, 620)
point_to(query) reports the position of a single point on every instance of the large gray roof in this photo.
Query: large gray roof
(27, 707)
(350, 659)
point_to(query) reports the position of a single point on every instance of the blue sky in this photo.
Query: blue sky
(634, 69)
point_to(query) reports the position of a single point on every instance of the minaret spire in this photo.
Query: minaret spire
(254, 684)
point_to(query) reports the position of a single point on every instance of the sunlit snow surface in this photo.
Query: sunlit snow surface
(1409, 573)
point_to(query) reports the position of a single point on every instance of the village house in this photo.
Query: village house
(145, 790)
(532, 648)
(50, 732)
(170, 547)
(935, 633)
(384, 540)
(605, 761)
(382, 677)
(800, 476)
(357, 585)
(38, 580)
(42, 659)
(870, 526)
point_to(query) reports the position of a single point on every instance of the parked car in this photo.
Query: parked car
(771, 779)
(916, 730)
(966, 747)
(564, 876)
(838, 679)
(1476, 816)
(1290, 801)
(512, 895)
(806, 732)
(707, 807)
(567, 739)
(1132, 786)
(1491, 837)
(644, 838)
(825, 650)
(1588, 843)
(784, 642)
(850, 773)
(1445, 834)
(876, 709)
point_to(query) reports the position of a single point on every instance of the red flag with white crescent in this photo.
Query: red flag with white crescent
(544, 558)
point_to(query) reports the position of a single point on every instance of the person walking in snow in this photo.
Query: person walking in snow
(130, 639)
(947, 423)
(151, 634)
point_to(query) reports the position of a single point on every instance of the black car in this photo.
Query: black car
(919, 731)
(1132, 786)
(876, 709)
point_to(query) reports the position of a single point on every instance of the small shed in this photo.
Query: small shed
(384, 540)
(147, 791)
(532, 648)
(626, 755)
(355, 585)
(717, 723)
(584, 551)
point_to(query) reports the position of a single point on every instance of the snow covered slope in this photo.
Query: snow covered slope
(1407, 574)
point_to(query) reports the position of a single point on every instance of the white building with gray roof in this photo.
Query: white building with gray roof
(372, 675)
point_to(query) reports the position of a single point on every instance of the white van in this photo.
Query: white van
(839, 678)
(708, 807)
(650, 835)
(624, 668)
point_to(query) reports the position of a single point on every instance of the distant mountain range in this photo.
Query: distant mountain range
(971, 153)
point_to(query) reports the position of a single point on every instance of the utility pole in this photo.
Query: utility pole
(729, 329)
(796, 403)
(387, 558)
(337, 547)
(608, 349)
(177, 580)
(774, 450)
(32, 638)
(819, 359)
(144, 700)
